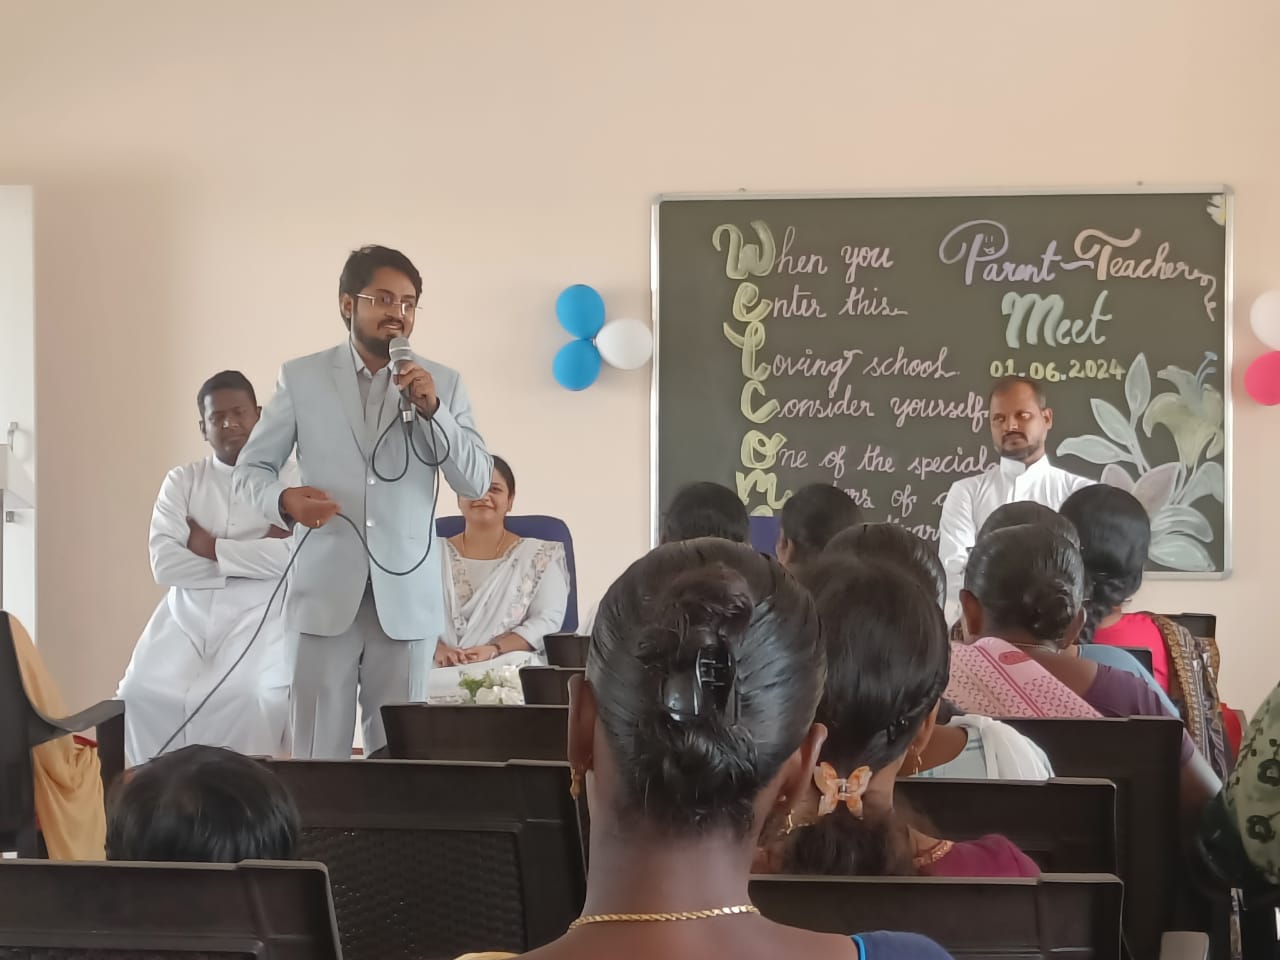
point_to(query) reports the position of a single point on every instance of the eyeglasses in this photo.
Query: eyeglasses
(388, 302)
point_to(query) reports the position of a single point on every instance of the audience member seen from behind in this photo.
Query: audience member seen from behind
(1115, 539)
(887, 665)
(202, 804)
(502, 593)
(895, 543)
(967, 746)
(694, 721)
(1023, 594)
(705, 509)
(1025, 512)
(702, 509)
(810, 518)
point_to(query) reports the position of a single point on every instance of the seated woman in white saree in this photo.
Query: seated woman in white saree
(502, 593)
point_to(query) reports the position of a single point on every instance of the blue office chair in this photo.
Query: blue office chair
(540, 528)
(764, 534)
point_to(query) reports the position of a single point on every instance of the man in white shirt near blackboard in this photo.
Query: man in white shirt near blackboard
(1020, 425)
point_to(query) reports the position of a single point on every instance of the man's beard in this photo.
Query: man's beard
(1023, 453)
(375, 345)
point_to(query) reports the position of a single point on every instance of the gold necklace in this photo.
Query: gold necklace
(737, 911)
(497, 550)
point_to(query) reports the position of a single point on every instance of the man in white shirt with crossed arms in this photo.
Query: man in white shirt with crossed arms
(1020, 424)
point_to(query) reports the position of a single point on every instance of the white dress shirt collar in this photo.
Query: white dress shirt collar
(1016, 469)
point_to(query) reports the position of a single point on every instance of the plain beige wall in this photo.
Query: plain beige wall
(202, 169)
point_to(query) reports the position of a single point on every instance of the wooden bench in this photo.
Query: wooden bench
(1055, 916)
(268, 911)
(475, 732)
(547, 686)
(439, 859)
(1064, 825)
(1140, 755)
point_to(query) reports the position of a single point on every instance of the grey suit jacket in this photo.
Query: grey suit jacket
(317, 409)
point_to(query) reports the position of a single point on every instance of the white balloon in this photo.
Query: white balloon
(625, 344)
(1265, 318)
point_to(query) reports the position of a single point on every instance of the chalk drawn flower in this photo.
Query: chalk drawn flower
(1193, 415)
(1217, 209)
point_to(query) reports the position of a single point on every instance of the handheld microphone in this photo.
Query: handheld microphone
(402, 353)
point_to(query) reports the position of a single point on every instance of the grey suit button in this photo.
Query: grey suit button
(368, 523)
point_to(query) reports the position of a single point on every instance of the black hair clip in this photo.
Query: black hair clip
(710, 682)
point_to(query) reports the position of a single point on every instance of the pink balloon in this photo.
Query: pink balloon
(1262, 379)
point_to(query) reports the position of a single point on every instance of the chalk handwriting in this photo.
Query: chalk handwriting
(749, 341)
(757, 481)
(875, 462)
(926, 466)
(746, 259)
(904, 501)
(972, 409)
(873, 258)
(846, 406)
(795, 459)
(801, 263)
(982, 244)
(862, 302)
(925, 531)
(834, 461)
(1100, 247)
(763, 413)
(802, 303)
(1037, 316)
(900, 365)
(811, 366)
(861, 496)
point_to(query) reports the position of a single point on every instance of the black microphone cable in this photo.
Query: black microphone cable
(435, 462)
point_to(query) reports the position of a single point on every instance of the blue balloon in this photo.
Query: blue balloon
(580, 310)
(577, 364)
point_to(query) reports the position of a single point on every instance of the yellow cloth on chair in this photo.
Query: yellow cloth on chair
(67, 774)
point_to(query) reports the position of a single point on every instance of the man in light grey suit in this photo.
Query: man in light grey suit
(364, 623)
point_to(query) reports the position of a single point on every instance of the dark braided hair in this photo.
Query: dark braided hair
(1115, 537)
(888, 662)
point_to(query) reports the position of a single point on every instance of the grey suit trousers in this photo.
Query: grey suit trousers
(330, 669)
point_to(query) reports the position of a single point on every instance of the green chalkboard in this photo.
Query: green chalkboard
(852, 340)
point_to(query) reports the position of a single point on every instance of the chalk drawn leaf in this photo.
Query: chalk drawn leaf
(1137, 387)
(1094, 449)
(1180, 552)
(1113, 423)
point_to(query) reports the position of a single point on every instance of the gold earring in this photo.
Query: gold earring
(575, 783)
(790, 825)
(914, 756)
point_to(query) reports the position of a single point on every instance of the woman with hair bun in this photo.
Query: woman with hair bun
(887, 665)
(1115, 539)
(693, 725)
(1023, 597)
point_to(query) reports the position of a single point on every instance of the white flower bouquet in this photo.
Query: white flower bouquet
(501, 686)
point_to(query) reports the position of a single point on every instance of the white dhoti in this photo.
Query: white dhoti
(174, 668)
(205, 623)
